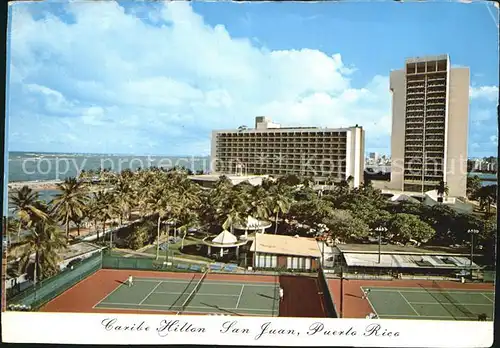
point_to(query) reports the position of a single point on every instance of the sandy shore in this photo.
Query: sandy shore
(35, 185)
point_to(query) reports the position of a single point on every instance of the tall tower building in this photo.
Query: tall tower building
(430, 112)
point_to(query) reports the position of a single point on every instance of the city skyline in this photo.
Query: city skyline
(82, 96)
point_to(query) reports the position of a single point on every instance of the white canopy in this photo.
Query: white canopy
(225, 237)
(252, 222)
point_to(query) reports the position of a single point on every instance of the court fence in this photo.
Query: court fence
(110, 261)
(327, 295)
(44, 291)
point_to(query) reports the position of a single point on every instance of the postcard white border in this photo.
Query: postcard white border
(61, 328)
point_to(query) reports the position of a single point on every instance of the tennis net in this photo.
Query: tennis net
(191, 295)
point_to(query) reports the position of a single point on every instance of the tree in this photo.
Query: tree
(441, 218)
(473, 186)
(404, 227)
(280, 202)
(442, 190)
(138, 238)
(344, 226)
(45, 243)
(487, 195)
(26, 208)
(70, 203)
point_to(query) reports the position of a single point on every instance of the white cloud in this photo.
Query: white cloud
(487, 92)
(132, 86)
(494, 139)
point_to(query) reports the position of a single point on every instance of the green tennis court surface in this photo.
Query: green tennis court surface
(430, 304)
(173, 295)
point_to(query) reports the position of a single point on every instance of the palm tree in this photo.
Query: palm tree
(45, 242)
(107, 210)
(26, 208)
(93, 208)
(442, 190)
(69, 204)
(280, 201)
(487, 196)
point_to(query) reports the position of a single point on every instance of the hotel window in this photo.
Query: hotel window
(268, 261)
(301, 263)
(274, 261)
(289, 262)
(308, 263)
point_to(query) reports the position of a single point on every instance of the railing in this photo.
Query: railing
(45, 290)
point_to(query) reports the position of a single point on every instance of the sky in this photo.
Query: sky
(155, 78)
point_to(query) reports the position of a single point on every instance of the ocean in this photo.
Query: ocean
(29, 166)
(26, 166)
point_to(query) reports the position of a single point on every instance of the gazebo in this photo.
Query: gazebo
(252, 224)
(225, 239)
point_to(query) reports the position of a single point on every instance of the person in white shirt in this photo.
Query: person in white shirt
(130, 281)
(365, 294)
(281, 294)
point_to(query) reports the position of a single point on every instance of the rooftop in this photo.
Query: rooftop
(285, 245)
(400, 249)
(408, 261)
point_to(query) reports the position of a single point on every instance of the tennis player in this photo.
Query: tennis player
(130, 281)
(365, 294)
(281, 294)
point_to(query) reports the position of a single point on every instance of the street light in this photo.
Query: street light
(472, 232)
(380, 230)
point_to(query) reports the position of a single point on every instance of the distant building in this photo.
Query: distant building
(209, 180)
(373, 156)
(270, 149)
(430, 110)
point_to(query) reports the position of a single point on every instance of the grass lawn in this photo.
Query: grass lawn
(175, 250)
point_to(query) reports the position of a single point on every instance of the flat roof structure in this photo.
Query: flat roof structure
(399, 250)
(285, 245)
(408, 261)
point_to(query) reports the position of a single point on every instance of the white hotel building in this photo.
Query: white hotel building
(270, 149)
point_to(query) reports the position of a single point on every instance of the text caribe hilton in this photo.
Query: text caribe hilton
(165, 327)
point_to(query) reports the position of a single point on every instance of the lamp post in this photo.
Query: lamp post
(380, 230)
(472, 232)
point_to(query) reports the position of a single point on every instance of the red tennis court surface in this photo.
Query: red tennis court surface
(301, 297)
(355, 306)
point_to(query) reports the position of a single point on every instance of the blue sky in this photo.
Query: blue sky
(157, 78)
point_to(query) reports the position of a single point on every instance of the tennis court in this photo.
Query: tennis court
(189, 296)
(430, 303)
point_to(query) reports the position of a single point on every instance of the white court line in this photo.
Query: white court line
(239, 297)
(444, 317)
(197, 294)
(173, 309)
(441, 304)
(105, 297)
(145, 298)
(489, 299)
(453, 291)
(369, 302)
(409, 304)
(167, 280)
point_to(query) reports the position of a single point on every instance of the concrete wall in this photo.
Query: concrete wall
(398, 90)
(213, 152)
(458, 120)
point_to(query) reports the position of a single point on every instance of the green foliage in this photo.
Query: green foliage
(473, 186)
(404, 227)
(346, 227)
(141, 235)
(45, 242)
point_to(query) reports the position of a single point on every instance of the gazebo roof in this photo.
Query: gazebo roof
(225, 237)
(252, 223)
